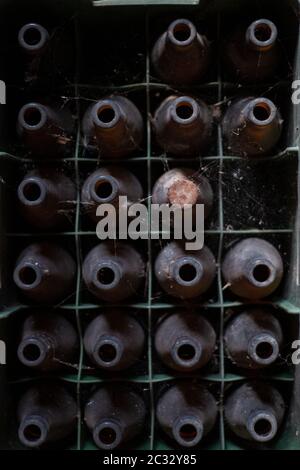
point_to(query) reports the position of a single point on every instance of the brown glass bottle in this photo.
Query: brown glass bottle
(47, 342)
(181, 55)
(187, 412)
(252, 268)
(114, 125)
(185, 274)
(183, 126)
(254, 411)
(252, 127)
(253, 55)
(185, 341)
(45, 272)
(106, 185)
(46, 413)
(114, 341)
(46, 131)
(113, 272)
(114, 415)
(46, 198)
(253, 339)
(181, 186)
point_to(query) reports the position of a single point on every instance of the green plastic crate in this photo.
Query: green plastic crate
(112, 54)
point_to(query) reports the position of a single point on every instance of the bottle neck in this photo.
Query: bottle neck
(109, 433)
(104, 189)
(107, 275)
(108, 351)
(108, 118)
(263, 349)
(261, 35)
(260, 113)
(187, 430)
(187, 271)
(33, 191)
(28, 275)
(33, 118)
(262, 425)
(33, 39)
(184, 111)
(181, 35)
(186, 352)
(34, 430)
(260, 272)
(36, 350)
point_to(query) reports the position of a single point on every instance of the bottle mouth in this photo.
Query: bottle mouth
(262, 426)
(182, 32)
(108, 434)
(31, 191)
(261, 273)
(32, 352)
(107, 352)
(32, 37)
(186, 352)
(262, 111)
(33, 431)
(187, 271)
(187, 431)
(106, 114)
(32, 117)
(261, 34)
(107, 275)
(104, 189)
(184, 110)
(27, 276)
(263, 349)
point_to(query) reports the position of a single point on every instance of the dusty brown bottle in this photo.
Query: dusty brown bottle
(253, 339)
(181, 186)
(113, 272)
(46, 198)
(253, 55)
(254, 411)
(252, 127)
(183, 126)
(114, 340)
(185, 274)
(45, 272)
(181, 55)
(114, 415)
(114, 125)
(45, 131)
(187, 412)
(252, 268)
(185, 341)
(47, 342)
(106, 185)
(47, 413)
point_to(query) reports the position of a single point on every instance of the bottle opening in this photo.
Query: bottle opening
(187, 272)
(262, 112)
(106, 114)
(264, 350)
(261, 273)
(263, 427)
(106, 275)
(103, 189)
(186, 352)
(32, 116)
(32, 432)
(188, 432)
(263, 32)
(184, 110)
(27, 275)
(107, 436)
(32, 36)
(107, 352)
(32, 191)
(182, 32)
(31, 352)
